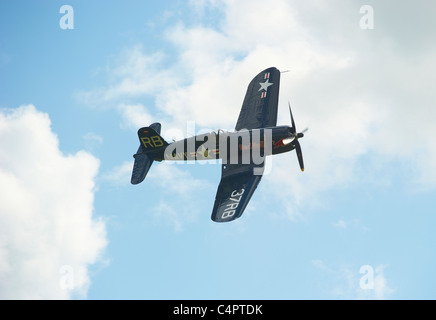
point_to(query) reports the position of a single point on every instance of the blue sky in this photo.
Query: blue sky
(71, 101)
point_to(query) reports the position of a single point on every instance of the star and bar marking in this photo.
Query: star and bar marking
(265, 85)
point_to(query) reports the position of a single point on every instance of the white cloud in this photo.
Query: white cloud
(134, 115)
(381, 288)
(119, 175)
(167, 212)
(340, 224)
(92, 140)
(364, 283)
(174, 180)
(180, 202)
(48, 234)
(354, 224)
(319, 264)
(133, 74)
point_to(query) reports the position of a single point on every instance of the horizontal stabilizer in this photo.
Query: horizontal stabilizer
(141, 166)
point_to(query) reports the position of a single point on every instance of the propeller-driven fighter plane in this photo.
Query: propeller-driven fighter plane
(243, 152)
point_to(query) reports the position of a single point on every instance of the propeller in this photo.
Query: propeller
(296, 137)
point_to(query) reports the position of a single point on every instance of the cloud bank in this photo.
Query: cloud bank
(48, 234)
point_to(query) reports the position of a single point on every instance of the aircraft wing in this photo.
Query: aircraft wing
(259, 109)
(237, 185)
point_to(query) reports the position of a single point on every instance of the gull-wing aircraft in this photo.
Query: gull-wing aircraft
(243, 151)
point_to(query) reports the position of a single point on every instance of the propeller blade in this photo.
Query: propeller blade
(299, 154)
(304, 130)
(294, 129)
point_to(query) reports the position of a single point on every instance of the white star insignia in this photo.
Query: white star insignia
(265, 85)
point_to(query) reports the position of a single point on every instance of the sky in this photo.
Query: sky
(77, 82)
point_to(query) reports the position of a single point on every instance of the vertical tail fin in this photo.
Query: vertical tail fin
(150, 137)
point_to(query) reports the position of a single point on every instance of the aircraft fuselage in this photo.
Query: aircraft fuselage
(243, 146)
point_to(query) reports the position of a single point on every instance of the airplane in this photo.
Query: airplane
(242, 152)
